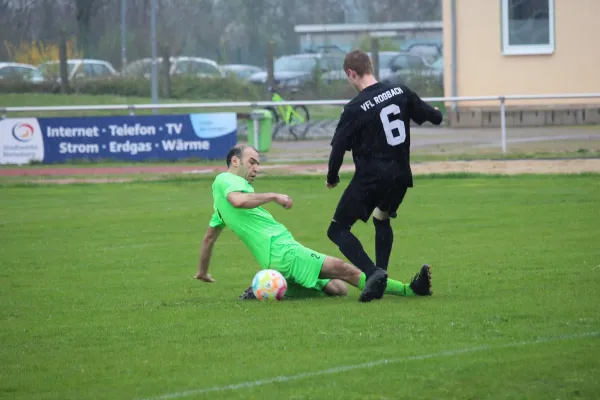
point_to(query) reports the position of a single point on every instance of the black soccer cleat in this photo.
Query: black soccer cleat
(374, 287)
(248, 294)
(421, 283)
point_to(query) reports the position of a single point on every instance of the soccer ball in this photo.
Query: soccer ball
(269, 284)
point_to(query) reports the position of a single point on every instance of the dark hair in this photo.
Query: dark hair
(236, 151)
(359, 62)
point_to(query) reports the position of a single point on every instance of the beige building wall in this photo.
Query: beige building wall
(483, 70)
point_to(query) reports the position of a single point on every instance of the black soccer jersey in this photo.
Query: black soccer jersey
(375, 126)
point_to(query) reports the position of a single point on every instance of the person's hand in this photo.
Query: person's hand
(204, 277)
(284, 200)
(331, 185)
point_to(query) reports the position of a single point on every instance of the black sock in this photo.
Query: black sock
(351, 247)
(384, 237)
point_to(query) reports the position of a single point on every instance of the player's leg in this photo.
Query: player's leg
(353, 205)
(384, 238)
(309, 267)
(336, 287)
(371, 288)
(323, 288)
(300, 266)
(384, 235)
(387, 206)
(419, 286)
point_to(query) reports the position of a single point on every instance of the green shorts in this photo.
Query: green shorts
(299, 265)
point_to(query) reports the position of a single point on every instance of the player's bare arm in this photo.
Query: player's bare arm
(253, 200)
(208, 242)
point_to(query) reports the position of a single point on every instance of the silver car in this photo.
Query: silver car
(76, 69)
(385, 58)
(241, 71)
(195, 66)
(294, 70)
(11, 70)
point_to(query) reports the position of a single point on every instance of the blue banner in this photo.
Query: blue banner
(127, 138)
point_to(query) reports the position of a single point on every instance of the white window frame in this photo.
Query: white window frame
(531, 49)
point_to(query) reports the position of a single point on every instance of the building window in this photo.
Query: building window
(527, 27)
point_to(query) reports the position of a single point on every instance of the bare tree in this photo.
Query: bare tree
(234, 30)
(85, 10)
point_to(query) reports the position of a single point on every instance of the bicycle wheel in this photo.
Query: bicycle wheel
(299, 122)
(274, 121)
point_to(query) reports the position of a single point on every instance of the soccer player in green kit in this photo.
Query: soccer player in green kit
(238, 207)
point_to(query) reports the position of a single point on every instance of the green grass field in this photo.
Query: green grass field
(98, 300)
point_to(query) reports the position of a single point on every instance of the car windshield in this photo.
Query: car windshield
(296, 64)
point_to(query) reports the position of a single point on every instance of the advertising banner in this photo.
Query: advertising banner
(126, 138)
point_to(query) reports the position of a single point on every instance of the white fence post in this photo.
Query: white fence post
(503, 123)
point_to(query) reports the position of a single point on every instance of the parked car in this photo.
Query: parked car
(76, 69)
(15, 71)
(196, 66)
(406, 66)
(241, 71)
(294, 70)
(394, 67)
(429, 49)
(385, 57)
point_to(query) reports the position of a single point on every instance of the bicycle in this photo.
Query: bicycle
(296, 118)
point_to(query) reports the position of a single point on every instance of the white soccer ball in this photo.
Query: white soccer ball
(269, 284)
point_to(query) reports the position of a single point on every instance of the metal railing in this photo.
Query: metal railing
(131, 108)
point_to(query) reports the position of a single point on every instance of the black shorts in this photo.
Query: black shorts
(362, 196)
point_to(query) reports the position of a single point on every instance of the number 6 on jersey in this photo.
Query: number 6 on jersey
(389, 126)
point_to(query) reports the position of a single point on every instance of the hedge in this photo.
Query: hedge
(193, 88)
(188, 88)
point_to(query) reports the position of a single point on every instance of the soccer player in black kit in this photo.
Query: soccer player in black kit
(375, 126)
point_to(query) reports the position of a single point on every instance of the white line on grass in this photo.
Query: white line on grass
(337, 370)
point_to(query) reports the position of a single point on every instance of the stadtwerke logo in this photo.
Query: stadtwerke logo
(23, 132)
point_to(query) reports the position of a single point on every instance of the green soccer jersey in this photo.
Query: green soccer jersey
(254, 226)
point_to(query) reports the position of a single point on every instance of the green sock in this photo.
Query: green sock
(396, 288)
(362, 281)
